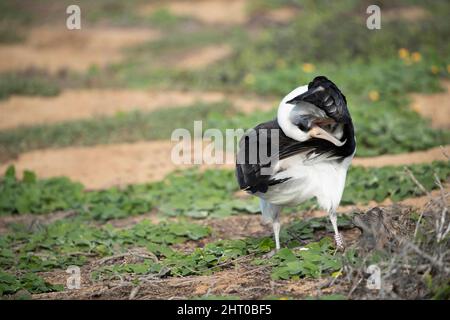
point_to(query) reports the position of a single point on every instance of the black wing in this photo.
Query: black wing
(249, 171)
(248, 161)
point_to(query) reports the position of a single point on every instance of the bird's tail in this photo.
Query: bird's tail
(269, 211)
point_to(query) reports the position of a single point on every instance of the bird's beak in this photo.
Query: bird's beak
(318, 132)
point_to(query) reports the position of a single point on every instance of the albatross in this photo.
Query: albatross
(303, 153)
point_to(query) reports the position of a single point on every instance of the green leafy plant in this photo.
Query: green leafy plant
(313, 260)
(73, 242)
(30, 195)
(9, 284)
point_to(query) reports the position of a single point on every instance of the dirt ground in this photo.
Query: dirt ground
(54, 49)
(200, 58)
(435, 107)
(242, 280)
(79, 104)
(430, 155)
(411, 13)
(103, 166)
(207, 11)
(84, 104)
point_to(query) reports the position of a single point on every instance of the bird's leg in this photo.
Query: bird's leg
(276, 232)
(337, 235)
(271, 212)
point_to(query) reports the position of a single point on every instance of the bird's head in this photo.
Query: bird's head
(324, 94)
(318, 110)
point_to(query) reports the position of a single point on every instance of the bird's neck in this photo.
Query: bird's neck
(288, 128)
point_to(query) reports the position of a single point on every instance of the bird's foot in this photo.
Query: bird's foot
(270, 254)
(340, 245)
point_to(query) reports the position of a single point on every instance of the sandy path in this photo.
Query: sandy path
(435, 107)
(56, 48)
(103, 166)
(81, 104)
(202, 57)
(280, 15)
(409, 13)
(404, 158)
(121, 164)
(227, 12)
(220, 12)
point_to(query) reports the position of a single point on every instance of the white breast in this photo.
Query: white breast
(324, 180)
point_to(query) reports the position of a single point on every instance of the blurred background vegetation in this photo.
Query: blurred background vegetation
(265, 55)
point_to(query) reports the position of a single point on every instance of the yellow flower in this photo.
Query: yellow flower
(249, 79)
(374, 95)
(434, 69)
(308, 67)
(281, 63)
(416, 107)
(403, 53)
(416, 56)
(283, 298)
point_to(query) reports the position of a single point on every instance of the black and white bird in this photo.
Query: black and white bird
(315, 146)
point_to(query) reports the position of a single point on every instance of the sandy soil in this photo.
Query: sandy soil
(435, 107)
(221, 12)
(105, 165)
(281, 15)
(411, 13)
(226, 12)
(200, 58)
(81, 104)
(426, 156)
(56, 48)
